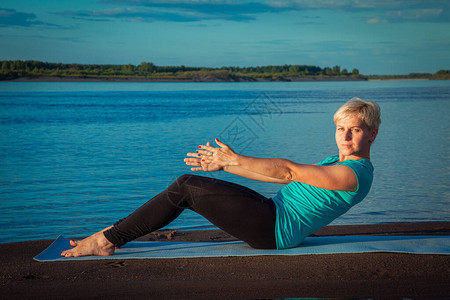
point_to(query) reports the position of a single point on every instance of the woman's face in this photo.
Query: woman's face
(353, 138)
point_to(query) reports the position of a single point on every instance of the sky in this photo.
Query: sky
(374, 36)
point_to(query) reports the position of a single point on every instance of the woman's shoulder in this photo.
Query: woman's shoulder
(361, 167)
(335, 160)
(363, 162)
(329, 160)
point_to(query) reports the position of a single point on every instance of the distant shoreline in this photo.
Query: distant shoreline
(37, 71)
(131, 79)
(401, 79)
(177, 80)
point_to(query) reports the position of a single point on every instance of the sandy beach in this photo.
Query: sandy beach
(373, 275)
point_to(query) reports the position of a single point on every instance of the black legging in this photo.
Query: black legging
(237, 210)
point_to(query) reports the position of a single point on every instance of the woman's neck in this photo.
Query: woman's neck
(353, 157)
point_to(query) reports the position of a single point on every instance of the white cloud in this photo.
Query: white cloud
(411, 15)
(377, 21)
(416, 14)
(377, 11)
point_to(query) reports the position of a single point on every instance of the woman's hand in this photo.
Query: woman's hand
(210, 159)
(222, 157)
(195, 159)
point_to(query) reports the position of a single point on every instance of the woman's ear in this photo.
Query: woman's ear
(373, 135)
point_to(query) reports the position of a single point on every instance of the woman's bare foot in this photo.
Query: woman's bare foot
(96, 244)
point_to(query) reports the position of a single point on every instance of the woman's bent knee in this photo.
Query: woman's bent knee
(185, 178)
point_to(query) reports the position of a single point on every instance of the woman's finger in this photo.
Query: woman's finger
(207, 160)
(198, 154)
(206, 147)
(222, 145)
(203, 152)
(192, 161)
(191, 154)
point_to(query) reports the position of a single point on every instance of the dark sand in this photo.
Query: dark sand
(373, 275)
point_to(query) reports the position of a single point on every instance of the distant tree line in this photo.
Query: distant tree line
(439, 75)
(17, 69)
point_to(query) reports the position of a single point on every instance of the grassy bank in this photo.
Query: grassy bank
(11, 70)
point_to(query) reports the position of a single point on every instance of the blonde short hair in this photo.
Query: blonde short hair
(367, 111)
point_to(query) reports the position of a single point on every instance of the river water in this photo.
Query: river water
(75, 157)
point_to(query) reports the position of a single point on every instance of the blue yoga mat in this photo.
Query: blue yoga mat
(312, 245)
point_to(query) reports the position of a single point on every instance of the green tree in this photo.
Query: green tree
(5, 66)
(441, 74)
(336, 70)
(146, 67)
(294, 69)
(327, 71)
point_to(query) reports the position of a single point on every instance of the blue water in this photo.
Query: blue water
(75, 157)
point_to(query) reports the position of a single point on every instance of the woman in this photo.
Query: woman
(314, 195)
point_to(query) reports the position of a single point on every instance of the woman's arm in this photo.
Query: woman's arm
(253, 175)
(337, 177)
(195, 160)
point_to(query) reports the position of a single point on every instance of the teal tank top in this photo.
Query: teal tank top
(303, 209)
